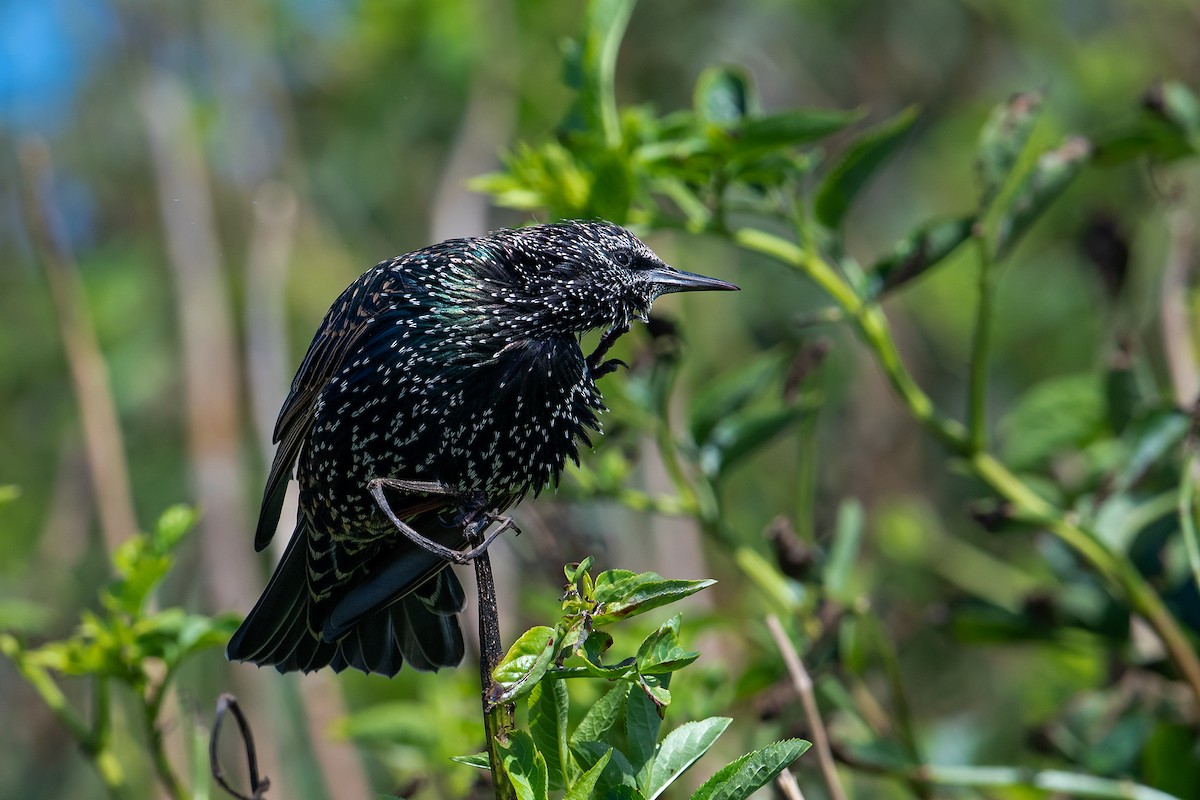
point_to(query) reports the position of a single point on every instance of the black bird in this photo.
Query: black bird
(456, 372)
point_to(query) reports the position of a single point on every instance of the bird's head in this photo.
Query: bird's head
(572, 277)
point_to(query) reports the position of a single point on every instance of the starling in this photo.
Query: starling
(451, 383)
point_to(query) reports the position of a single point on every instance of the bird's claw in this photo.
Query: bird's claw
(605, 367)
(596, 364)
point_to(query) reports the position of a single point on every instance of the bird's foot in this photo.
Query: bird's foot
(596, 364)
(474, 517)
(605, 367)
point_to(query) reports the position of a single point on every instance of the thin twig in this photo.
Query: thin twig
(258, 784)
(1176, 329)
(89, 374)
(803, 684)
(788, 787)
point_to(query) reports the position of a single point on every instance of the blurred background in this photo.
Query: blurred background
(185, 187)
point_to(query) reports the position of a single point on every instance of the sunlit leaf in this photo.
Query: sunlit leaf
(523, 665)
(584, 787)
(748, 774)
(548, 727)
(526, 767)
(642, 722)
(617, 774)
(621, 594)
(680, 749)
(660, 652)
(479, 761)
(601, 717)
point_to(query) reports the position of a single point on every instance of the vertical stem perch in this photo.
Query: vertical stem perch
(498, 720)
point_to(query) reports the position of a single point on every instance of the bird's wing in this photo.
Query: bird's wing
(344, 328)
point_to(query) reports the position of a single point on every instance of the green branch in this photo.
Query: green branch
(872, 326)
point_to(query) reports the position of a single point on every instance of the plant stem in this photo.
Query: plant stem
(155, 742)
(803, 684)
(980, 344)
(92, 741)
(498, 720)
(873, 328)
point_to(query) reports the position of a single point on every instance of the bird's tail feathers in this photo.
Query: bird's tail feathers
(420, 627)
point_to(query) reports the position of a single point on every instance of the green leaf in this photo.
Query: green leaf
(730, 393)
(660, 652)
(847, 539)
(744, 777)
(642, 722)
(680, 749)
(724, 95)
(526, 767)
(793, 128)
(1158, 435)
(1054, 171)
(601, 717)
(479, 761)
(621, 594)
(583, 788)
(1058, 414)
(576, 570)
(612, 187)
(595, 646)
(548, 727)
(921, 250)
(595, 65)
(740, 436)
(654, 687)
(1175, 103)
(173, 525)
(1002, 140)
(618, 773)
(858, 165)
(523, 665)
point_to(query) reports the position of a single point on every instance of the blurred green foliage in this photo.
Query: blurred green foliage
(947, 624)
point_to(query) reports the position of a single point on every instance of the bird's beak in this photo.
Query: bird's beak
(668, 279)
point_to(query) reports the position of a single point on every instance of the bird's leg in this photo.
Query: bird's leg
(597, 366)
(471, 526)
(476, 532)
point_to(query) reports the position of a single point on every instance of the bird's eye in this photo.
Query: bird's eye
(623, 258)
